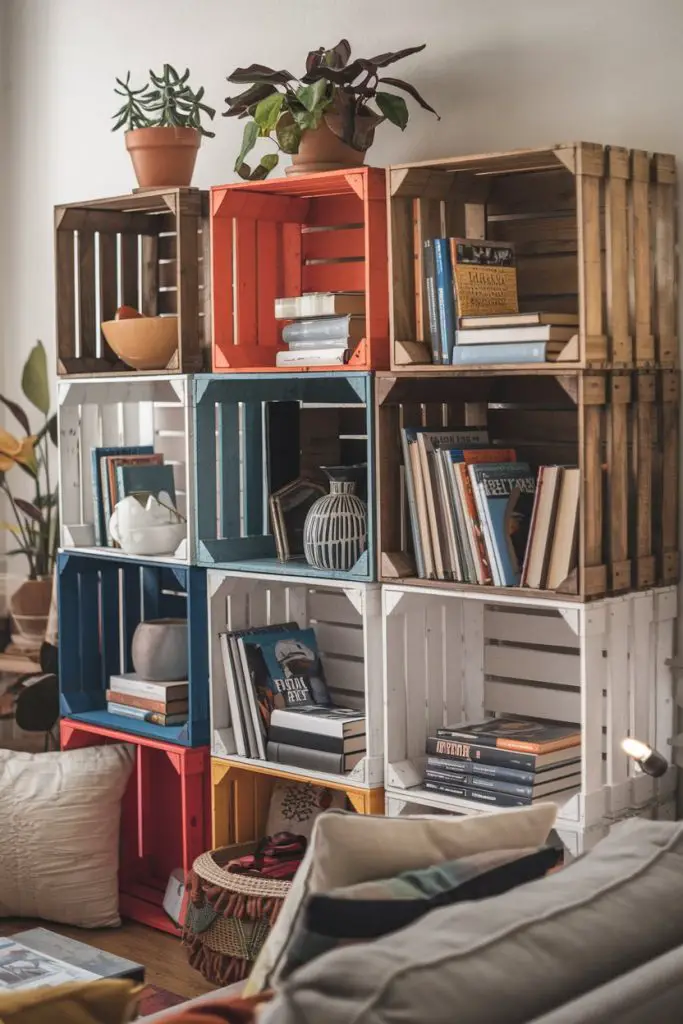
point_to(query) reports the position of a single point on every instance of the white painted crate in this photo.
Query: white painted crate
(347, 621)
(451, 657)
(121, 410)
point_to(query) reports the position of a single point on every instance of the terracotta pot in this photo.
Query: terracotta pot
(322, 150)
(163, 157)
(29, 606)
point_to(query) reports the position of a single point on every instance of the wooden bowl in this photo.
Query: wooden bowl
(145, 343)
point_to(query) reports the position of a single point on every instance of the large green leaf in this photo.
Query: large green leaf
(268, 162)
(251, 133)
(398, 83)
(394, 108)
(288, 135)
(268, 111)
(34, 381)
(313, 96)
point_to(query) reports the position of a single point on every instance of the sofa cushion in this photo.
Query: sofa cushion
(346, 848)
(515, 956)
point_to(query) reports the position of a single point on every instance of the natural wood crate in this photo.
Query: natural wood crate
(148, 250)
(620, 428)
(604, 665)
(595, 233)
(119, 411)
(241, 792)
(310, 233)
(165, 817)
(347, 622)
(101, 601)
(256, 432)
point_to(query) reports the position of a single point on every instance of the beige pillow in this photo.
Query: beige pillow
(347, 848)
(59, 834)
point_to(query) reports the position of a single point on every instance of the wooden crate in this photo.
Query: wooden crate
(241, 792)
(165, 817)
(604, 665)
(595, 233)
(347, 622)
(620, 428)
(254, 433)
(309, 233)
(147, 250)
(120, 411)
(100, 603)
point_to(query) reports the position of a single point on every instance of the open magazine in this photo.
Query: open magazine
(21, 967)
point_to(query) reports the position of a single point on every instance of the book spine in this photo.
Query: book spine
(429, 274)
(98, 514)
(313, 740)
(482, 796)
(450, 744)
(313, 357)
(146, 703)
(256, 720)
(412, 504)
(145, 716)
(444, 292)
(304, 757)
(145, 688)
(486, 771)
(332, 330)
(238, 732)
(519, 352)
(480, 782)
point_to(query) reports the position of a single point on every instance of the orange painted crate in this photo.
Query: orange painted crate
(312, 233)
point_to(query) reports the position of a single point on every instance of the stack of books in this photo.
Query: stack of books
(325, 327)
(516, 338)
(507, 761)
(120, 471)
(161, 703)
(280, 707)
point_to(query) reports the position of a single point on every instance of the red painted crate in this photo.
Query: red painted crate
(165, 817)
(312, 233)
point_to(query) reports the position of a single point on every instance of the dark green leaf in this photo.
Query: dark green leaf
(394, 108)
(34, 379)
(338, 76)
(46, 501)
(313, 96)
(268, 111)
(382, 60)
(18, 413)
(251, 133)
(49, 428)
(306, 119)
(29, 510)
(315, 58)
(244, 171)
(398, 83)
(260, 73)
(254, 94)
(339, 55)
(288, 135)
(268, 162)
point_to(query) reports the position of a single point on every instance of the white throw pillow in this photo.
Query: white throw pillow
(59, 834)
(346, 848)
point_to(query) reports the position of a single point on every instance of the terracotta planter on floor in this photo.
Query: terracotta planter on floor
(163, 157)
(322, 150)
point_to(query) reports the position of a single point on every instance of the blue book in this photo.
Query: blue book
(444, 295)
(145, 480)
(96, 456)
(508, 352)
(504, 493)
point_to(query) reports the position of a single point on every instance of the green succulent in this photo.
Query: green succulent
(166, 101)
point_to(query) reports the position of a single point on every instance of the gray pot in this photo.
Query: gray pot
(160, 650)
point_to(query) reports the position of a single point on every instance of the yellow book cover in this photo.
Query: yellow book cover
(484, 277)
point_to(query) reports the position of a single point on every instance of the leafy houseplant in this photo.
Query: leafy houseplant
(163, 122)
(34, 526)
(327, 118)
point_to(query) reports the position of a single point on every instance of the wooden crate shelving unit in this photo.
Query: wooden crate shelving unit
(604, 665)
(256, 432)
(595, 233)
(620, 428)
(165, 817)
(147, 250)
(310, 233)
(101, 602)
(347, 622)
(241, 795)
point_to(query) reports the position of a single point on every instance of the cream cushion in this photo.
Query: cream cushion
(59, 834)
(346, 848)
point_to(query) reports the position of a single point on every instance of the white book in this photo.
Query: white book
(505, 335)
(243, 688)
(131, 683)
(312, 357)
(233, 698)
(486, 527)
(320, 304)
(334, 721)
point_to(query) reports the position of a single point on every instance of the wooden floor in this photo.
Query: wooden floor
(164, 957)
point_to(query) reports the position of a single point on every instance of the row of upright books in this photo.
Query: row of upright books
(478, 515)
(280, 706)
(506, 761)
(120, 471)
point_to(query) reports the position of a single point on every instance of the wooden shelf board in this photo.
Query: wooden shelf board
(522, 595)
(283, 771)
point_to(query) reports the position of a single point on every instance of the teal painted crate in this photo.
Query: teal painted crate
(100, 603)
(254, 432)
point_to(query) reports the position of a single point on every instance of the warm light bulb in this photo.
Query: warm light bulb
(635, 749)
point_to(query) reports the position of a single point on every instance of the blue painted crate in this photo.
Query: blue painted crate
(250, 440)
(101, 601)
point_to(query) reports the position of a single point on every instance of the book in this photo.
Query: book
(519, 320)
(320, 304)
(313, 357)
(537, 556)
(410, 471)
(334, 721)
(315, 741)
(501, 772)
(429, 275)
(172, 707)
(154, 717)
(313, 760)
(444, 298)
(484, 276)
(38, 957)
(487, 796)
(237, 713)
(565, 532)
(289, 507)
(504, 494)
(446, 745)
(510, 335)
(475, 782)
(96, 456)
(324, 332)
(145, 480)
(113, 462)
(526, 735)
(521, 352)
(475, 533)
(130, 683)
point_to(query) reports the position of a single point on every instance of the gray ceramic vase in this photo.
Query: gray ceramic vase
(335, 531)
(160, 650)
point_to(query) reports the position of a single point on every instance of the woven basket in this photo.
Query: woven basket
(229, 915)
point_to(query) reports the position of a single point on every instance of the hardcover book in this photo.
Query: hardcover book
(324, 331)
(487, 796)
(96, 455)
(145, 480)
(341, 723)
(172, 707)
(492, 771)
(447, 746)
(130, 683)
(528, 735)
(484, 277)
(504, 493)
(444, 298)
(429, 274)
(320, 304)
(313, 760)
(519, 352)
(545, 787)
(154, 717)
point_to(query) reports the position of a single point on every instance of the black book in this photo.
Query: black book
(484, 796)
(477, 782)
(316, 741)
(497, 772)
(429, 274)
(312, 760)
(460, 750)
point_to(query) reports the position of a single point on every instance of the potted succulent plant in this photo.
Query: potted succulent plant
(327, 118)
(34, 523)
(163, 127)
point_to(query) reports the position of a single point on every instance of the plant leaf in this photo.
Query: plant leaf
(394, 108)
(29, 510)
(18, 413)
(339, 55)
(313, 96)
(244, 171)
(398, 83)
(288, 135)
(306, 119)
(260, 73)
(268, 111)
(382, 60)
(268, 162)
(251, 133)
(34, 380)
(46, 501)
(49, 428)
(254, 94)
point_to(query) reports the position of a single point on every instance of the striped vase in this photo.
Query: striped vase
(336, 527)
